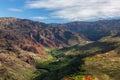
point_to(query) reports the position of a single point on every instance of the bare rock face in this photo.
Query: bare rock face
(55, 37)
(32, 36)
(32, 46)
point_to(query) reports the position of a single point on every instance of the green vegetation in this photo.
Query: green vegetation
(77, 62)
(36, 51)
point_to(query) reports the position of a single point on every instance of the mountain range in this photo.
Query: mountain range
(32, 50)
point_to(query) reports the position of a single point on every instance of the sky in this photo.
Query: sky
(60, 11)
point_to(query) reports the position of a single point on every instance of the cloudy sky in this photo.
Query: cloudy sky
(51, 11)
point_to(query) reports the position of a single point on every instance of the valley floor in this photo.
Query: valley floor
(94, 61)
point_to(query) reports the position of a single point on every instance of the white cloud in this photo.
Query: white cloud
(15, 9)
(79, 9)
(39, 17)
